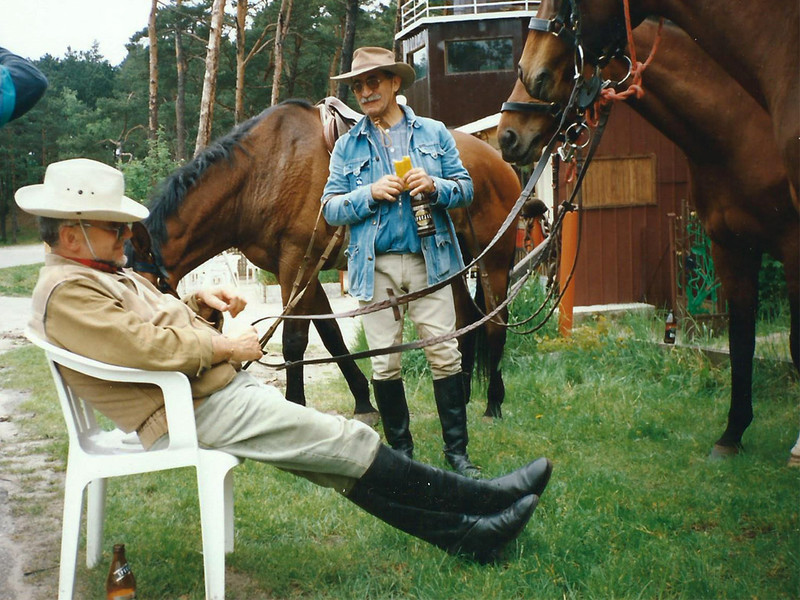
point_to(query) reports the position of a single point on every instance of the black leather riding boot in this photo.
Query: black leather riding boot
(390, 396)
(412, 483)
(478, 537)
(450, 402)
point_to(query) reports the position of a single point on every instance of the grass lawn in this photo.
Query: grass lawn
(19, 281)
(635, 509)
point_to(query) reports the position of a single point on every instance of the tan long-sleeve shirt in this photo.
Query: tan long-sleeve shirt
(123, 320)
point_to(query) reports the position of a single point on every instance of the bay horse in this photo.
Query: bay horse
(738, 184)
(258, 189)
(756, 42)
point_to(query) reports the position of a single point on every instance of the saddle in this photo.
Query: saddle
(337, 119)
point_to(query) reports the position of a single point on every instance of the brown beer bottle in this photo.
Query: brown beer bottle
(670, 328)
(120, 583)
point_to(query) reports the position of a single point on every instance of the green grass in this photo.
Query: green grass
(19, 281)
(635, 509)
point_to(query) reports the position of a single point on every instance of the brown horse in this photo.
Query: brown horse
(739, 186)
(756, 42)
(258, 189)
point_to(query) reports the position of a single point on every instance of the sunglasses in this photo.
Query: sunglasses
(371, 83)
(119, 229)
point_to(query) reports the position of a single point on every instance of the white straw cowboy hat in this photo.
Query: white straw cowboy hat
(370, 58)
(80, 188)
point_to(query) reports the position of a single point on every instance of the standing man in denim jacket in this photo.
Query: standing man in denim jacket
(386, 255)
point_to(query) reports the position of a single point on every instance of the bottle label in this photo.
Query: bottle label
(122, 595)
(121, 572)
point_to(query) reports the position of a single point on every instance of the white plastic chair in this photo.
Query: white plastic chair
(95, 455)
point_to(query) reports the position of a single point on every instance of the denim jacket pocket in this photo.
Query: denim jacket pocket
(355, 166)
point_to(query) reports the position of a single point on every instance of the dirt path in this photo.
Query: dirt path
(31, 491)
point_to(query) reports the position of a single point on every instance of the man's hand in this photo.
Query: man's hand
(221, 299)
(417, 181)
(241, 347)
(387, 188)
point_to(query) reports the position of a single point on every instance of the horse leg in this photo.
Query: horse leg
(496, 341)
(490, 355)
(791, 268)
(465, 314)
(332, 339)
(738, 273)
(295, 342)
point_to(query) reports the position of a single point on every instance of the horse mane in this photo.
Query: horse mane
(172, 190)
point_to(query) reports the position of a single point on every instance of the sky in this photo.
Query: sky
(33, 28)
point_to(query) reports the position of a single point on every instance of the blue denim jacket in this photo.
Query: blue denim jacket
(356, 164)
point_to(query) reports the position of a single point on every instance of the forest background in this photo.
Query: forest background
(190, 74)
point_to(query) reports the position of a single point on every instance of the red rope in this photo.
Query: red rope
(608, 95)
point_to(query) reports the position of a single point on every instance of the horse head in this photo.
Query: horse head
(565, 37)
(145, 258)
(525, 126)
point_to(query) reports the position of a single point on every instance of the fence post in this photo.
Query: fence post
(569, 238)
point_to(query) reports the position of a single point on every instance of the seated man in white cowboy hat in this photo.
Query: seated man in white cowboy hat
(86, 302)
(388, 254)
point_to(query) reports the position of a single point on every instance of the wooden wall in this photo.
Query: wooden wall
(624, 252)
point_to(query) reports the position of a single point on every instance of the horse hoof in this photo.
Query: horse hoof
(794, 460)
(494, 412)
(719, 452)
(368, 418)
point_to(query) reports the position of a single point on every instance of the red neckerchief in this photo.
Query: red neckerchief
(96, 264)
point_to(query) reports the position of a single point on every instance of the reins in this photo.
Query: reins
(395, 301)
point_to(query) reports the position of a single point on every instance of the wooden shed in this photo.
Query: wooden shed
(465, 54)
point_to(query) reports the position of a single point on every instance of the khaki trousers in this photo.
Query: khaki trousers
(250, 419)
(433, 315)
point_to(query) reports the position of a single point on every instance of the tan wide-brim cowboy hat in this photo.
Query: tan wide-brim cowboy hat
(370, 58)
(80, 188)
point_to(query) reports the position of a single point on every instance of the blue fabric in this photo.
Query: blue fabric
(357, 161)
(396, 228)
(8, 95)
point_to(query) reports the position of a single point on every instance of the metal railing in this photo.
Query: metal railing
(413, 11)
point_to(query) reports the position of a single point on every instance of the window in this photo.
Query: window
(470, 56)
(620, 181)
(419, 60)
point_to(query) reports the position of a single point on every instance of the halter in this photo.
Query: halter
(567, 26)
(150, 261)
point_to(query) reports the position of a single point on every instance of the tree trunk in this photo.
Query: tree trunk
(180, 100)
(348, 45)
(280, 34)
(210, 79)
(241, 62)
(152, 128)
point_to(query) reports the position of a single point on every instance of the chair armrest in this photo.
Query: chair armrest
(174, 386)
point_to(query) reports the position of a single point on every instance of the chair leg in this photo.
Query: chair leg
(229, 512)
(95, 517)
(212, 489)
(70, 533)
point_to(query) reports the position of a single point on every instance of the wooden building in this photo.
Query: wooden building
(465, 53)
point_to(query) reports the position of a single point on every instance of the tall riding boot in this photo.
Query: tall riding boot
(450, 402)
(412, 483)
(478, 537)
(390, 397)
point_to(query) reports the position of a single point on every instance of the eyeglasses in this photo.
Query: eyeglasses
(371, 82)
(119, 229)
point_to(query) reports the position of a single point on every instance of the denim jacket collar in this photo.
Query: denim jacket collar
(362, 127)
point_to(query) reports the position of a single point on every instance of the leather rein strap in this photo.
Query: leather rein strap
(405, 298)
